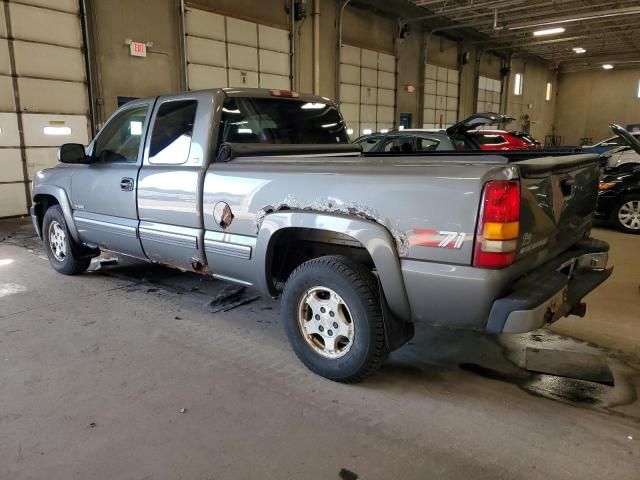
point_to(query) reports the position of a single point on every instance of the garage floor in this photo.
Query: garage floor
(125, 373)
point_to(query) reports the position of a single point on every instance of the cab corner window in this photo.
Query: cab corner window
(119, 140)
(172, 132)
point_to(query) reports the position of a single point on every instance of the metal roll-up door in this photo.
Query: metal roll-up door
(224, 51)
(489, 95)
(367, 90)
(441, 85)
(45, 61)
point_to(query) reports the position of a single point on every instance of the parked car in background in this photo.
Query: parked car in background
(461, 136)
(405, 141)
(619, 190)
(504, 140)
(533, 143)
(609, 144)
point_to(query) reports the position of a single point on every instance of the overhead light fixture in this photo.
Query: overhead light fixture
(578, 49)
(548, 31)
(607, 66)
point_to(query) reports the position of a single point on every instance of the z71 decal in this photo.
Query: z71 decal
(436, 238)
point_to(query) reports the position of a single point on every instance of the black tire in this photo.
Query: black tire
(71, 263)
(356, 287)
(615, 219)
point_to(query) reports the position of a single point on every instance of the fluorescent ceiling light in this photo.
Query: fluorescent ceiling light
(578, 49)
(384, 130)
(548, 31)
(57, 130)
(607, 66)
(349, 131)
(367, 131)
(245, 130)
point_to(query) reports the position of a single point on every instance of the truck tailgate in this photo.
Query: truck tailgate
(558, 203)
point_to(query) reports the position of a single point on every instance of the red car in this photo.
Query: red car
(503, 140)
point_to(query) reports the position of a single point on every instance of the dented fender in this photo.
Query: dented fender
(375, 238)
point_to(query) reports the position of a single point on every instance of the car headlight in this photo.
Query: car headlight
(606, 185)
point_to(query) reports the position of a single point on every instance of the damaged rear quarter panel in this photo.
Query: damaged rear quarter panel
(400, 194)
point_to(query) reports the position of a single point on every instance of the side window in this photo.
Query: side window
(490, 139)
(172, 131)
(399, 144)
(368, 143)
(427, 144)
(120, 139)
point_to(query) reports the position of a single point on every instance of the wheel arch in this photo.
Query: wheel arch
(44, 196)
(370, 236)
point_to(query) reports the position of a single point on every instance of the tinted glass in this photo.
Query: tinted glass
(426, 144)
(281, 121)
(398, 144)
(489, 139)
(119, 140)
(368, 143)
(172, 131)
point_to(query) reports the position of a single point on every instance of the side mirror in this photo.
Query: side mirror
(72, 153)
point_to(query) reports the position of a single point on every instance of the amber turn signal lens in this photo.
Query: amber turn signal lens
(501, 231)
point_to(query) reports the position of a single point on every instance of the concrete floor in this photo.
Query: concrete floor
(96, 369)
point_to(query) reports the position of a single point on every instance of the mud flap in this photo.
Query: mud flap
(397, 332)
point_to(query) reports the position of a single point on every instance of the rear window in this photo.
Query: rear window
(490, 139)
(279, 121)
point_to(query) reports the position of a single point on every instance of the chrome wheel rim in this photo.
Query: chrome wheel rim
(57, 241)
(629, 214)
(325, 322)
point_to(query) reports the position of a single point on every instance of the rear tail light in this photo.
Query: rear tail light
(498, 225)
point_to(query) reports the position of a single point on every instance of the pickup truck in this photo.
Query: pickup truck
(262, 188)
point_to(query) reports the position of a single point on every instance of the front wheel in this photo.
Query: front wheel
(61, 248)
(333, 320)
(626, 215)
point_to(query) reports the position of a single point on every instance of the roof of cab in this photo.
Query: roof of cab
(246, 92)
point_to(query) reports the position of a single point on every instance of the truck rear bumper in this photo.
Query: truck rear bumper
(553, 290)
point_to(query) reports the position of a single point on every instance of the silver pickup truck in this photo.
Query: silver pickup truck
(262, 188)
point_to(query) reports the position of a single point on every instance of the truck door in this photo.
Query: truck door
(103, 193)
(171, 180)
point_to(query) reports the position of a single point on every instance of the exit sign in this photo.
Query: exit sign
(137, 49)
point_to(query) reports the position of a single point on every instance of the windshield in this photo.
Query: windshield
(280, 121)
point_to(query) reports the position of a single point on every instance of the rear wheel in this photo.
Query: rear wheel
(626, 215)
(333, 320)
(62, 250)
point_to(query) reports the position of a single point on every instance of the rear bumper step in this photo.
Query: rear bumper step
(552, 291)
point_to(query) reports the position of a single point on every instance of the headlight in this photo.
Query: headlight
(606, 185)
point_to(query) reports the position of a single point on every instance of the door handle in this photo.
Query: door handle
(126, 184)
